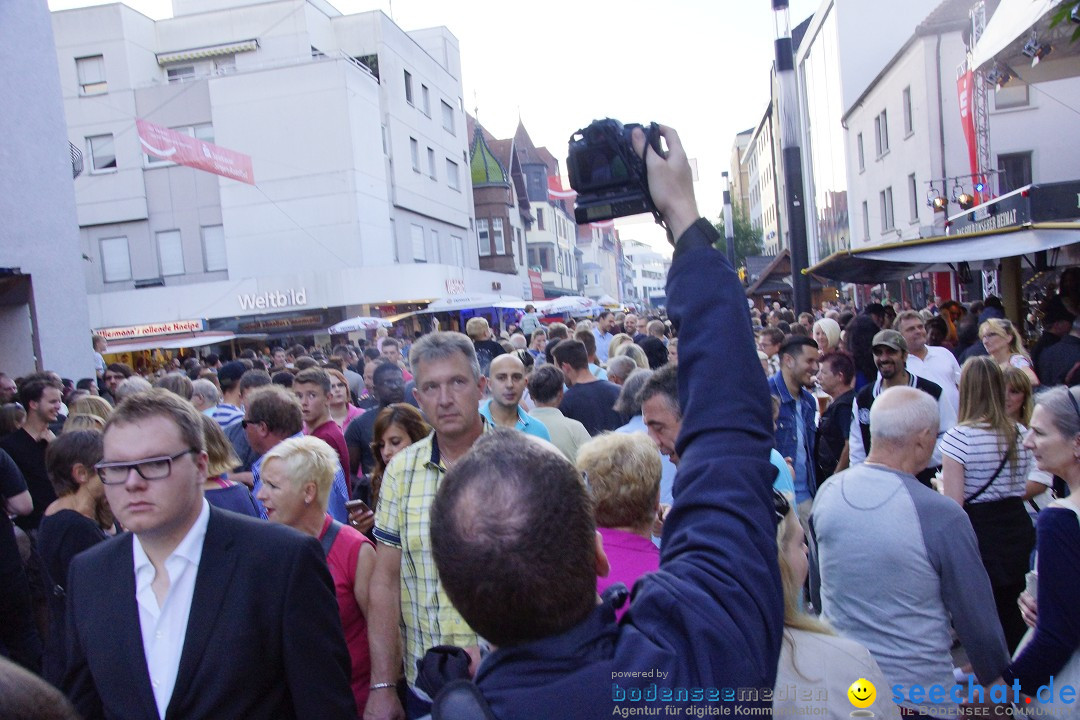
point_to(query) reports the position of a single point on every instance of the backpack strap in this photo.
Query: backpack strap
(330, 536)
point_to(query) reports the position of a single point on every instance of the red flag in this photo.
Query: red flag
(965, 87)
(192, 152)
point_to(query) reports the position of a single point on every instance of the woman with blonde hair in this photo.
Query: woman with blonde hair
(297, 476)
(1004, 344)
(827, 334)
(635, 353)
(82, 421)
(218, 489)
(623, 471)
(812, 656)
(985, 469)
(93, 405)
(617, 342)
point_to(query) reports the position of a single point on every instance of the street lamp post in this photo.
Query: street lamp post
(788, 113)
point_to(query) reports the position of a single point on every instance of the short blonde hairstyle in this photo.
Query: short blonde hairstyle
(831, 328)
(477, 329)
(82, 421)
(307, 459)
(623, 472)
(93, 405)
(635, 353)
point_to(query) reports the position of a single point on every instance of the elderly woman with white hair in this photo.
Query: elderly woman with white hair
(826, 333)
(297, 476)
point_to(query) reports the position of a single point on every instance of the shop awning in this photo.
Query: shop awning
(171, 342)
(1027, 220)
(896, 261)
(456, 303)
(208, 51)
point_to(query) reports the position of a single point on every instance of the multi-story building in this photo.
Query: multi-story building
(552, 237)
(762, 169)
(502, 214)
(650, 270)
(44, 319)
(600, 260)
(739, 173)
(359, 148)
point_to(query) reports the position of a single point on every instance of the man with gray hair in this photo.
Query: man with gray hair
(546, 391)
(619, 368)
(204, 395)
(405, 587)
(893, 560)
(629, 404)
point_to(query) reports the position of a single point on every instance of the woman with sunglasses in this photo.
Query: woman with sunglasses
(1053, 648)
(1003, 343)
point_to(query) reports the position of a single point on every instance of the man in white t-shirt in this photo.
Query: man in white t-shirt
(936, 364)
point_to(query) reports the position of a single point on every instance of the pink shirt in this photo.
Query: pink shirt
(331, 434)
(630, 556)
(342, 560)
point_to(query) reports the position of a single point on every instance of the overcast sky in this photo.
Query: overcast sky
(701, 66)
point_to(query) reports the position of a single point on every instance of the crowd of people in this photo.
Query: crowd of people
(529, 519)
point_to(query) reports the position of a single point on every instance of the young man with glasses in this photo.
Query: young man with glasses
(172, 618)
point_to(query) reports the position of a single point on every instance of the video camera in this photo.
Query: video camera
(609, 177)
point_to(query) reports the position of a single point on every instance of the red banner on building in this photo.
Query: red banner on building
(965, 87)
(536, 284)
(192, 152)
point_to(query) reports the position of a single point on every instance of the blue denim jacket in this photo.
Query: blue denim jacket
(787, 434)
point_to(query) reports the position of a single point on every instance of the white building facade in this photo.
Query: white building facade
(358, 142)
(650, 271)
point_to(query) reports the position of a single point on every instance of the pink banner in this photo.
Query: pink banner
(536, 285)
(192, 152)
(965, 87)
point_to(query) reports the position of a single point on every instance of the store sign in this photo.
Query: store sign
(199, 154)
(273, 299)
(152, 329)
(455, 286)
(536, 284)
(299, 322)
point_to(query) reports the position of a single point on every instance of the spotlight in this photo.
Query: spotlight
(1034, 50)
(937, 202)
(966, 201)
(998, 77)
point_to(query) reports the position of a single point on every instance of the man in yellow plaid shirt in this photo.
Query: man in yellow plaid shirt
(405, 589)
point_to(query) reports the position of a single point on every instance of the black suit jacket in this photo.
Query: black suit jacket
(264, 637)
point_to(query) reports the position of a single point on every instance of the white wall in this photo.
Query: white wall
(39, 234)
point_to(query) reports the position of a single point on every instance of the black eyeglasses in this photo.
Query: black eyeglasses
(1076, 405)
(155, 468)
(246, 423)
(781, 506)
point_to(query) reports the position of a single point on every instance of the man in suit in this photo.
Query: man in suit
(196, 613)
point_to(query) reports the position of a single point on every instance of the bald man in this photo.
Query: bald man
(506, 381)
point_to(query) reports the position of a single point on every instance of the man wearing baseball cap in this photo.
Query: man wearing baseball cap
(890, 357)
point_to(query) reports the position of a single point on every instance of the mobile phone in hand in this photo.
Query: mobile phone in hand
(354, 505)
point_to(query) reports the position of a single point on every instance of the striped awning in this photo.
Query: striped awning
(208, 51)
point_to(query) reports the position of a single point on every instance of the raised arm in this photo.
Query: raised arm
(720, 536)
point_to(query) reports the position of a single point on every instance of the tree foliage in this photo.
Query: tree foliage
(748, 240)
(1064, 12)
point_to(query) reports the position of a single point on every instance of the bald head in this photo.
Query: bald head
(507, 381)
(903, 429)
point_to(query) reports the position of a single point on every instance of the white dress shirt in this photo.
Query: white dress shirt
(164, 628)
(939, 366)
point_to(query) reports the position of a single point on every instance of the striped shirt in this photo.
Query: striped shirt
(226, 414)
(403, 521)
(979, 450)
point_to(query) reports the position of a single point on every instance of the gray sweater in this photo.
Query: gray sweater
(894, 561)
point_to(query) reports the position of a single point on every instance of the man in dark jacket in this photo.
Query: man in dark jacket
(711, 618)
(837, 378)
(796, 433)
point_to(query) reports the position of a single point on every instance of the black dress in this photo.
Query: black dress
(61, 536)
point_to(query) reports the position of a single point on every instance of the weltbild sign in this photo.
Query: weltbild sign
(273, 299)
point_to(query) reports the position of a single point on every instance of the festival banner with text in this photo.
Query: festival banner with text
(185, 150)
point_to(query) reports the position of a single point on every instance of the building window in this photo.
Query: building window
(408, 87)
(497, 232)
(1014, 171)
(539, 218)
(483, 242)
(452, 174)
(385, 141)
(203, 131)
(436, 253)
(913, 197)
(865, 221)
(881, 133)
(425, 98)
(431, 163)
(414, 148)
(909, 124)
(1012, 95)
(102, 154)
(213, 239)
(115, 261)
(170, 253)
(448, 118)
(91, 75)
(885, 196)
(180, 73)
(457, 244)
(419, 251)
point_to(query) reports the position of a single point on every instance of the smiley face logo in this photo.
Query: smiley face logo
(862, 693)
